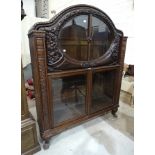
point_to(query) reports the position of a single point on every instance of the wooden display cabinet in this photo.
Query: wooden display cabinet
(77, 61)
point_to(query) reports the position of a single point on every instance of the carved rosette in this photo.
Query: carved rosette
(54, 55)
(114, 49)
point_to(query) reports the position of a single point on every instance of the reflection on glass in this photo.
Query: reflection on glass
(103, 87)
(101, 38)
(69, 95)
(83, 40)
(73, 37)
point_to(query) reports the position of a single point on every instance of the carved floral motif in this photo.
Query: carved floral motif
(53, 53)
(43, 86)
(53, 27)
(115, 48)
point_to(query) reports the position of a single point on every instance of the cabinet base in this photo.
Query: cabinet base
(48, 134)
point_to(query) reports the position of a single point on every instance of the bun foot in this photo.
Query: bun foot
(46, 144)
(114, 112)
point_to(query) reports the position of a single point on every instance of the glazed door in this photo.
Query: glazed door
(68, 97)
(73, 38)
(101, 38)
(103, 88)
(85, 37)
(74, 95)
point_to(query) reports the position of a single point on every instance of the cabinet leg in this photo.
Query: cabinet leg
(46, 144)
(114, 112)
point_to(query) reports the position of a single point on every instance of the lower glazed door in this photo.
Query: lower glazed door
(102, 90)
(68, 98)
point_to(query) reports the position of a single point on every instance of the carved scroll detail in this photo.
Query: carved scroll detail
(55, 57)
(115, 48)
(53, 53)
(43, 86)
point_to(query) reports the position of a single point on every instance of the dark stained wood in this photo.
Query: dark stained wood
(51, 132)
(24, 106)
(40, 76)
(121, 62)
(29, 140)
(60, 91)
(89, 89)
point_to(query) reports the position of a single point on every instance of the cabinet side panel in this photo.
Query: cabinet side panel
(39, 69)
(119, 73)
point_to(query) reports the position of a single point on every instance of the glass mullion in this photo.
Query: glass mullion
(89, 37)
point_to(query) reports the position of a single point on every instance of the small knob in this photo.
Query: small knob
(85, 65)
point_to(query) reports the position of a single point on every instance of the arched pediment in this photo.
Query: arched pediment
(80, 36)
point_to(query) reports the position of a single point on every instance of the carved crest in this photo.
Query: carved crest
(56, 58)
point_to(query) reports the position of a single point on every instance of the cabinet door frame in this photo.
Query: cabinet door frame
(56, 75)
(89, 90)
(103, 70)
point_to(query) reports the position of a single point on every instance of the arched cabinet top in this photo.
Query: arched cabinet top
(78, 37)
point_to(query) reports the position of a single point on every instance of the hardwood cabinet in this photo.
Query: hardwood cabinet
(29, 140)
(77, 60)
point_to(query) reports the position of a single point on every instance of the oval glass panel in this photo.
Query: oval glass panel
(73, 38)
(101, 38)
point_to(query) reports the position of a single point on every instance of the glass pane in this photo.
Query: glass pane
(73, 37)
(69, 95)
(103, 88)
(101, 38)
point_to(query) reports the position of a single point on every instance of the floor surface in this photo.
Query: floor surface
(104, 135)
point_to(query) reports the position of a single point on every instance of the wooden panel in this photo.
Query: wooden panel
(39, 69)
(29, 142)
(24, 106)
(27, 139)
(79, 71)
(119, 73)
